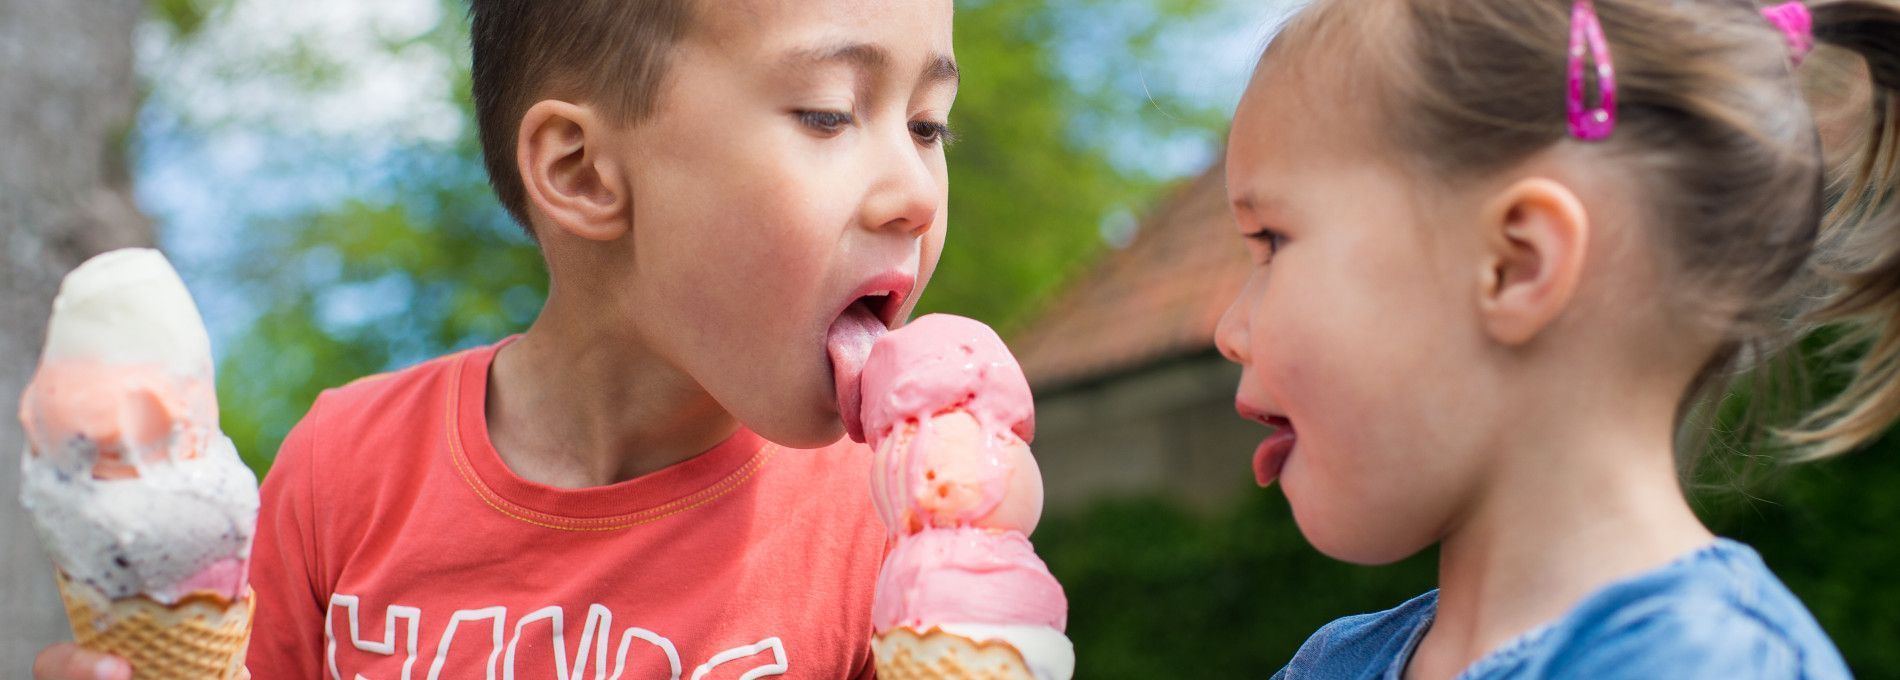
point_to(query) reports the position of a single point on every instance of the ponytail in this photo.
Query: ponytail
(1860, 252)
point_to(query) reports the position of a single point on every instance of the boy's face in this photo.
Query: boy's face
(791, 175)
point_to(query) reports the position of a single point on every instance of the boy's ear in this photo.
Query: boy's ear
(1536, 234)
(560, 151)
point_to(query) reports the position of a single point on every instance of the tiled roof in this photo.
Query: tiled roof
(1160, 297)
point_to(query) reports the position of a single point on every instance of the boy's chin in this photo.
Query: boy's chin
(804, 433)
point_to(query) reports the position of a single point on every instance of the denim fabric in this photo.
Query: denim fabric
(1716, 613)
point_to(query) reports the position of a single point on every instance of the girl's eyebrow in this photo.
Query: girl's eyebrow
(1261, 208)
(1247, 202)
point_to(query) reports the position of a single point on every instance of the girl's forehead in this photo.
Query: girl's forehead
(1294, 123)
(1334, 76)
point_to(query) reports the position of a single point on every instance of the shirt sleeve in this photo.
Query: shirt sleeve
(287, 630)
(1700, 639)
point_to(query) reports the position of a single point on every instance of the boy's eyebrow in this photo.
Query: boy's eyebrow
(862, 55)
(868, 57)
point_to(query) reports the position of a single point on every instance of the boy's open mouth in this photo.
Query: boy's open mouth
(873, 309)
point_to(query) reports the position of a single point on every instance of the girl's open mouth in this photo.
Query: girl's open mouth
(1272, 455)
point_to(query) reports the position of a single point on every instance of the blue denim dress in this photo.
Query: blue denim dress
(1716, 613)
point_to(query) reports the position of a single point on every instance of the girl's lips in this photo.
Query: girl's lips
(1272, 454)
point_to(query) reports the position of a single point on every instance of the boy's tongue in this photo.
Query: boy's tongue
(849, 343)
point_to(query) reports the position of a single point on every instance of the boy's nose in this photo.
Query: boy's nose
(907, 195)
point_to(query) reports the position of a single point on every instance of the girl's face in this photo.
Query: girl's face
(1355, 328)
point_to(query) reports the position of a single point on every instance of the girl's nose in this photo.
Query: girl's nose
(1230, 335)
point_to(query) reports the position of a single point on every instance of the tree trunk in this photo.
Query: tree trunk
(67, 98)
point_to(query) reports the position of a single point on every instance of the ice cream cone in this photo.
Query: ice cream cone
(201, 637)
(904, 654)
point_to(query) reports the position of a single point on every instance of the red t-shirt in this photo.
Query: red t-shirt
(394, 543)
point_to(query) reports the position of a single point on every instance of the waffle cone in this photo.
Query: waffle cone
(202, 636)
(906, 654)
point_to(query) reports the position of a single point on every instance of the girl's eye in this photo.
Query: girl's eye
(931, 132)
(1269, 238)
(826, 122)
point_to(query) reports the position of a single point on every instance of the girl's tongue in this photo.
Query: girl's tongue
(849, 343)
(1271, 457)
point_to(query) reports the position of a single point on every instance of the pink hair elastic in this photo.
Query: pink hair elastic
(1586, 39)
(1797, 24)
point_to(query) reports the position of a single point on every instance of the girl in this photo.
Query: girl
(1504, 248)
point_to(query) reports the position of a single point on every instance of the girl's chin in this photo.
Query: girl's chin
(1339, 534)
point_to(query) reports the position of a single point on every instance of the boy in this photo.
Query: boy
(734, 199)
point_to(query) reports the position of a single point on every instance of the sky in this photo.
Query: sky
(226, 137)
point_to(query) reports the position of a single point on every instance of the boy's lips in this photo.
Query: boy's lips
(1271, 456)
(870, 311)
(884, 294)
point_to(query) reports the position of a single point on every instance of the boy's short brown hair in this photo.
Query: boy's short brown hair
(609, 53)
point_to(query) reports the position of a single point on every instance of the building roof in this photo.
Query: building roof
(1158, 298)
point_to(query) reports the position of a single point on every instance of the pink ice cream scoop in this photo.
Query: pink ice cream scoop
(950, 414)
(967, 575)
(941, 362)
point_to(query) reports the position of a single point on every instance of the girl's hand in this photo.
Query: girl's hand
(68, 661)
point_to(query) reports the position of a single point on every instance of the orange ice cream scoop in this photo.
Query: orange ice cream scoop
(941, 472)
(113, 418)
(950, 415)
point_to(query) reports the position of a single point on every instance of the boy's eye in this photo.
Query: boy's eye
(826, 122)
(932, 132)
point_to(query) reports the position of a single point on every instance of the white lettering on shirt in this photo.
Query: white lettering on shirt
(597, 636)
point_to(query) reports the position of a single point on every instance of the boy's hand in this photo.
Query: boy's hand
(67, 661)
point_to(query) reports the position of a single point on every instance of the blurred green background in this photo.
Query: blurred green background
(313, 168)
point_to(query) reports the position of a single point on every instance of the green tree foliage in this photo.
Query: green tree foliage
(1032, 179)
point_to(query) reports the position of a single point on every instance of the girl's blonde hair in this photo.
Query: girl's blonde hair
(1758, 236)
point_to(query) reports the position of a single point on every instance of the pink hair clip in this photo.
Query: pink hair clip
(1586, 39)
(1797, 24)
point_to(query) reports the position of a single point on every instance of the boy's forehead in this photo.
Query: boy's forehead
(805, 25)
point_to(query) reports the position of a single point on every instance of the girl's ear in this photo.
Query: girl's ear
(1536, 233)
(570, 180)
